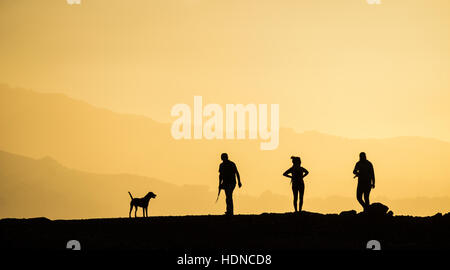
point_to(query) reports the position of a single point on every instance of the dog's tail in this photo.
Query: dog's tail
(130, 195)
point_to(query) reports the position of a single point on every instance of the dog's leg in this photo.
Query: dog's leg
(131, 208)
(143, 212)
(135, 211)
(146, 211)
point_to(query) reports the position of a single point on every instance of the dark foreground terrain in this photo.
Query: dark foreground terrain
(276, 232)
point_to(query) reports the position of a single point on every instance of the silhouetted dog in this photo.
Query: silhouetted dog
(141, 202)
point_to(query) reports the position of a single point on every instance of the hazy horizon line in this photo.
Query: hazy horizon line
(133, 114)
(267, 191)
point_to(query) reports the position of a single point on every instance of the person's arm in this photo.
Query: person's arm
(238, 177)
(372, 171)
(356, 170)
(286, 173)
(220, 176)
(305, 172)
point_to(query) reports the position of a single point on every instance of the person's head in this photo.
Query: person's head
(296, 161)
(224, 156)
(362, 156)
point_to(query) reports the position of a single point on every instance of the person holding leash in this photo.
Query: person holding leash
(227, 181)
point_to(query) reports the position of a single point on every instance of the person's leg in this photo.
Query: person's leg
(366, 197)
(359, 196)
(229, 200)
(301, 191)
(295, 192)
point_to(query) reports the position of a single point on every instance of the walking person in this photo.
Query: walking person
(227, 181)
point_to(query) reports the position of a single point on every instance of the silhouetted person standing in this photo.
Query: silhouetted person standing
(297, 173)
(366, 180)
(227, 181)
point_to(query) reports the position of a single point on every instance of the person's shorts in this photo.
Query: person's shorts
(298, 185)
(364, 186)
(228, 185)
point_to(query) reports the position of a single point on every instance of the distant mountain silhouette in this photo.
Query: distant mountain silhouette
(91, 139)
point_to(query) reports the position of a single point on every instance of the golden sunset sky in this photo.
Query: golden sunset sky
(345, 67)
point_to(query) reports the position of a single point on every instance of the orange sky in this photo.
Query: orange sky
(340, 67)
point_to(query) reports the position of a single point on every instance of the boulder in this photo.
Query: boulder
(438, 215)
(349, 213)
(378, 209)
